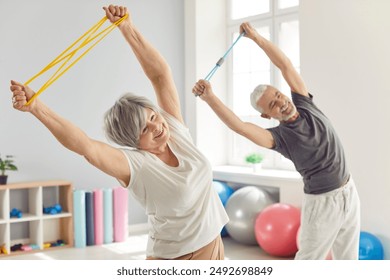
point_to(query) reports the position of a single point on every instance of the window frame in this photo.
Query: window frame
(272, 19)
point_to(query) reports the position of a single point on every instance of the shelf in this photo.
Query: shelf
(56, 216)
(35, 227)
(25, 218)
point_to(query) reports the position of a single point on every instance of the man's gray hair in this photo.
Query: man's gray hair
(256, 95)
(123, 122)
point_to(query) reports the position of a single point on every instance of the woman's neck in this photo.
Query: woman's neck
(167, 156)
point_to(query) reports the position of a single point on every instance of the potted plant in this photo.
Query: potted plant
(6, 164)
(255, 159)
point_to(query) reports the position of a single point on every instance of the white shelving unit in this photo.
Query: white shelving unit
(35, 227)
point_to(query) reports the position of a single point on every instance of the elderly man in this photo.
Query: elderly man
(331, 209)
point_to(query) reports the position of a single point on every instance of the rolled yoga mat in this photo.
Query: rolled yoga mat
(89, 218)
(120, 214)
(80, 235)
(108, 216)
(98, 216)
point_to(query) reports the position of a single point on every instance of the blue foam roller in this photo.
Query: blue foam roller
(108, 216)
(79, 222)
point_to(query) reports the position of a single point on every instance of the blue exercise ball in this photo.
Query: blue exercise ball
(224, 232)
(224, 191)
(370, 247)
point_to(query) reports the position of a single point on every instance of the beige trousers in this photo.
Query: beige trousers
(330, 222)
(212, 251)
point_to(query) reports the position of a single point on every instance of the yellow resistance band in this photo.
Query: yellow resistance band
(67, 54)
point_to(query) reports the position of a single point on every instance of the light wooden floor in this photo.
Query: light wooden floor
(134, 249)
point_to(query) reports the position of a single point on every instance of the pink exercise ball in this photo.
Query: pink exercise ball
(276, 229)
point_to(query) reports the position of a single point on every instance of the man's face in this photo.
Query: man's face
(276, 105)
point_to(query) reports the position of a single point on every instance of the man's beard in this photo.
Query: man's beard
(292, 113)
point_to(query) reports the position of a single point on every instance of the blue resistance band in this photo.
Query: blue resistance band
(221, 60)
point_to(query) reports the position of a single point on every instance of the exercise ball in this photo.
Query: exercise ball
(224, 191)
(276, 229)
(370, 247)
(242, 208)
(224, 232)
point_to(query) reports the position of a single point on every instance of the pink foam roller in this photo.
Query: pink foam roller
(98, 216)
(120, 197)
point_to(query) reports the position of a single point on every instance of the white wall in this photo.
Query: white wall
(35, 32)
(345, 61)
(205, 37)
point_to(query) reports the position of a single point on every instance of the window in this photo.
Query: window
(246, 8)
(248, 66)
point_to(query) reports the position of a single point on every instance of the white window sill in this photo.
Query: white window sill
(263, 174)
(289, 183)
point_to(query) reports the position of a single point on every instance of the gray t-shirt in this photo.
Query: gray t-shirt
(312, 144)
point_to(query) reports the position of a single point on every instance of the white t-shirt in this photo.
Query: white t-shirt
(184, 211)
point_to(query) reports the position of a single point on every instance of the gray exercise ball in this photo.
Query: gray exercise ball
(242, 208)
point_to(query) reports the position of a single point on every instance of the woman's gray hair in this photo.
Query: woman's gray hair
(123, 122)
(256, 95)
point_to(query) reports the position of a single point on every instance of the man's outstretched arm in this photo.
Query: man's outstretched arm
(254, 133)
(278, 58)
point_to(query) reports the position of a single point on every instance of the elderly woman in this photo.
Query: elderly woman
(158, 161)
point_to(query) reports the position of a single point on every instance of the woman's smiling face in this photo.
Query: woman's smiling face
(155, 133)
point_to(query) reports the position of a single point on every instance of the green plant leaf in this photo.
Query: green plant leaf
(254, 158)
(7, 164)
